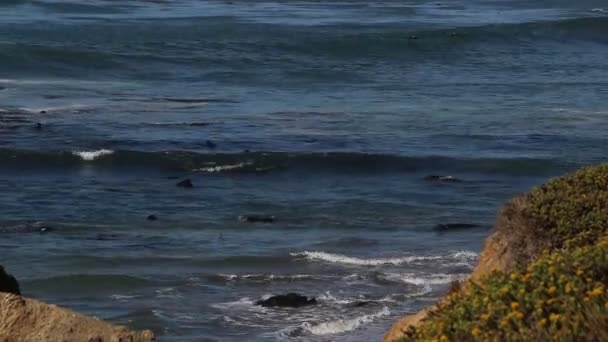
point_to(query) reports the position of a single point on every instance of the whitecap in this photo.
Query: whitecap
(92, 155)
(222, 168)
(343, 325)
(343, 259)
(421, 280)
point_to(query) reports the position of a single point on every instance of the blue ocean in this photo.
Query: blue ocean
(355, 126)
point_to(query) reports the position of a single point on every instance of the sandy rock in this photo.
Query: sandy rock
(24, 319)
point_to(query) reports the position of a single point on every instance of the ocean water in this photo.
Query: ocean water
(325, 114)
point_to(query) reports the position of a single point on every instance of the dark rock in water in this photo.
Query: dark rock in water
(290, 300)
(8, 283)
(413, 37)
(363, 303)
(442, 179)
(35, 227)
(152, 218)
(199, 124)
(256, 218)
(38, 126)
(186, 183)
(43, 112)
(453, 226)
(210, 144)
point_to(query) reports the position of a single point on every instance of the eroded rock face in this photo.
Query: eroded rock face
(291, 300)
(23, 319)
(8, 283)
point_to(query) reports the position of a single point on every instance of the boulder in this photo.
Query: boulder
(290, 300)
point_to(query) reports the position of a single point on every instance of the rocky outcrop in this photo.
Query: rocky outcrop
(24, 319)
(567, 212)
(291, 300)
(8, 283)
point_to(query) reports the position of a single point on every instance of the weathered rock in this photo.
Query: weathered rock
(24, 319)
(186, 183)
(8, 283)
(292, 300)
(256, 219)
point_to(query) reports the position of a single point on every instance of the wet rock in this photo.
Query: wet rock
(42, 112)
(35, 227)
(8, 283)
(186, 183)
(151, 218)
(442, 179)
(364, 303)
(256, 219)
(454, 226)
(290, 300)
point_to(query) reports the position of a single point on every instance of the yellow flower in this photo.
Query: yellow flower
(485, 316)
(552, 269)
(589, 280)
(579, 272)
(514, 305)
(551, 301)
(513, 276)
(552, 290)
(443, 338)
(476, 331)
(504, 290)
(504, 323)
(598, 291)
(586, 299)
(553, 317)
(542, 322)
(518, 314)
(568, 288)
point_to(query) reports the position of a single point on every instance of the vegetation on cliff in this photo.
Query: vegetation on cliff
(543, 273)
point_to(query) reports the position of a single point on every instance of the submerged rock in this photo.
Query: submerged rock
(454, 226)
(151, 218)
(210, 144)
(8, 283)
(186, 183)
(291, 300)
(256, 218)
(442, 179)
(35, 227)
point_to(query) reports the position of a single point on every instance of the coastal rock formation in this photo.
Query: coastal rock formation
(8, 283)
(24, 319)
(565, 218)
(292, 300)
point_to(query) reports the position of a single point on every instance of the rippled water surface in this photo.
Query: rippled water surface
(326, 115)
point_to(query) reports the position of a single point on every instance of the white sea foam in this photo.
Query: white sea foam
(343, 259)
(417, 279)
(266, 277)
(343, 325)
(92, 155)
(222, 168)
(598, 10)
